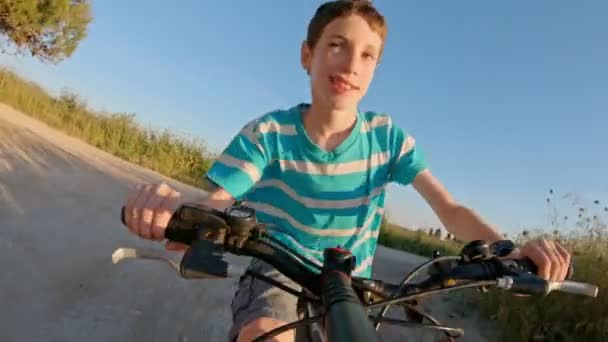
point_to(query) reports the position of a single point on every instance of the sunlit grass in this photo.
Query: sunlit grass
(183, 159)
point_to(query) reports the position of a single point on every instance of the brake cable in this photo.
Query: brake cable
(406, 280)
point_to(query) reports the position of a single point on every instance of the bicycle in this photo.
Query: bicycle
(331, 298)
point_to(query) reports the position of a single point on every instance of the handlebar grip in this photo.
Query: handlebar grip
(185, 236)
(576, 288)
(172, 232)
(526, 264)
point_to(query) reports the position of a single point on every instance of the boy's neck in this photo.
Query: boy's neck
(328, 128)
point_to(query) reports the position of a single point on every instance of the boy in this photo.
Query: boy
(316, 173)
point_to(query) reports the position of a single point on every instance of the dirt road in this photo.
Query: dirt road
(59, 206)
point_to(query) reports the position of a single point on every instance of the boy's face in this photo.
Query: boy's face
(343, 62)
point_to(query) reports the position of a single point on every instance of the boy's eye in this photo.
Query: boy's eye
(335, 44)
(369, 55)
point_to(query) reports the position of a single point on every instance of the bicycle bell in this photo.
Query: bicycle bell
(502, 248)
(475, 250)
(241, 219)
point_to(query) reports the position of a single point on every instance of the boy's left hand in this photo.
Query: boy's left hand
(551, 258)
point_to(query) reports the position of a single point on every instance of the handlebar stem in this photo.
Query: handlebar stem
(345, 314)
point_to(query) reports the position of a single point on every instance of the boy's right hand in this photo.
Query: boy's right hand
(148, 210)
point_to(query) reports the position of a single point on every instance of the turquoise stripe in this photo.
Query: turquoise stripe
(233, 180)
(365, 247)
(308, 240)
(302, 213)
(291, 147)
(409, 166)
(241, 148)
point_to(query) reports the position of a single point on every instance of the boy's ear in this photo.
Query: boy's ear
(305, 56)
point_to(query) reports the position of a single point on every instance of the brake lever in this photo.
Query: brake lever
(123, 253)
(205, 259)
(201, 261)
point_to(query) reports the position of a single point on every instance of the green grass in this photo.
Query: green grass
(417, 242)
(557, 317)
(118, 133)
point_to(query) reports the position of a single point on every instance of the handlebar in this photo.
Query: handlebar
(211, 233)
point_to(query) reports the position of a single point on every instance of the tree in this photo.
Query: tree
(49, 30)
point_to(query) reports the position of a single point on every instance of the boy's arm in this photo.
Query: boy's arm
(550, 257)
(409, 166)
(464, 223)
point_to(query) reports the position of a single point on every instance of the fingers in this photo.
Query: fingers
(152, 206)
(551, 259)
(128, 206)
(557, 264)
(149, 208)
(138, 209)
(542, 261)
(563, 252)
(164, 211)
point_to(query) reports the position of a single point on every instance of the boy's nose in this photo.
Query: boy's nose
(350, 64)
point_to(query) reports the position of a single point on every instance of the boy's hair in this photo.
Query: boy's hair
(331, 10)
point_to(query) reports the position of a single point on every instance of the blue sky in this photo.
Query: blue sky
(508, 99)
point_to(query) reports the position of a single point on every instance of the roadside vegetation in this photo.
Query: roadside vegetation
(180, 158)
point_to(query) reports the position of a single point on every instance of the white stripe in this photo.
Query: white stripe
(376, 159)
(255, 127)
(249, 168)
(407, 146)
(377, 121)
(272, 126)
(248, 131)
(310, 202)
(364, 264)
(367, 236)
(335, 232)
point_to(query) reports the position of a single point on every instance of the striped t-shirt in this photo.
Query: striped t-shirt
(312, 199)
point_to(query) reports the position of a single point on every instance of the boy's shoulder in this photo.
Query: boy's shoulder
(277, 120)
(379, 122)
(374, 119)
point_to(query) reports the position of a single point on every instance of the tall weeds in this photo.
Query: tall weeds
(118, 133)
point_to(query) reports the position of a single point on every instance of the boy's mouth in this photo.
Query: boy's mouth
(340, 84)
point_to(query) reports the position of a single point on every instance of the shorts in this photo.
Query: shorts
(256, 298)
